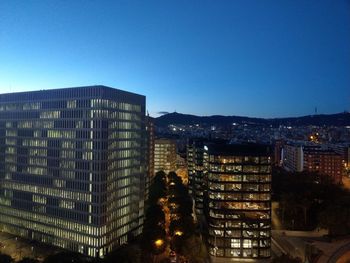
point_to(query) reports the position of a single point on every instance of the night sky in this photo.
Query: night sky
(250, 58)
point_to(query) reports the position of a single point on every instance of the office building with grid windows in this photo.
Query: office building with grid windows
(195, 166)
(72, 167)
(164, 155)
(238, 200)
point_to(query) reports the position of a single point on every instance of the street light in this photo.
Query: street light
(159, 242)
(178, 233)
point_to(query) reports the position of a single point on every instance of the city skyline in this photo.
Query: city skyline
(256, 60)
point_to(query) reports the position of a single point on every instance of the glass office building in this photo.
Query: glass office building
(238, 200)
(72, 167)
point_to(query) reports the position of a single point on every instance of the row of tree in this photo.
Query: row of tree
(8, 259)
(186, 240)
(154, 239)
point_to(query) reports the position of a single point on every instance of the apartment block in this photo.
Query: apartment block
(164, 155)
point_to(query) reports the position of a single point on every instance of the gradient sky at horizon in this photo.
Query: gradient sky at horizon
(249, 58)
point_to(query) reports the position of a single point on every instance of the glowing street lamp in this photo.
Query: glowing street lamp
(178, 233)
(159, 242)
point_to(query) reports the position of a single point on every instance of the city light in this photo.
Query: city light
(159, 242)
(178, 233)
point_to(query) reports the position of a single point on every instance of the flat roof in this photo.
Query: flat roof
(101, 90)
(252, 149)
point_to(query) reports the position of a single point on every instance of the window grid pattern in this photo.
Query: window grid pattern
(72, 166)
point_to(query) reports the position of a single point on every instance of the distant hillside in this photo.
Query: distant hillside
(339, 119)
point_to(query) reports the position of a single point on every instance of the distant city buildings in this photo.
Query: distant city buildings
(164, 155)
(72, 167)
(313, 157)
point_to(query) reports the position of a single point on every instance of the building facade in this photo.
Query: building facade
(195, 166)
(164, 155)
(72, 167)
(324, 161)
(238, 201)
(293, 157)
(150, 131)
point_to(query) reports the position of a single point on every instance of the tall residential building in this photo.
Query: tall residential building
(164, 155)
(344, 150)
(293, 157)
(324, 161)
(72, 167)
(238, 200)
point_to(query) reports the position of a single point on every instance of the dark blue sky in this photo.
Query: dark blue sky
(253, 58)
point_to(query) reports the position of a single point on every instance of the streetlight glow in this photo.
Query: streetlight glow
(178, 233)
(159, 242)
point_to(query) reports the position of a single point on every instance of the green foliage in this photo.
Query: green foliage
(305, 199)
(157, 188)
(336, 216)
(5, 258)
(184, 224)
(194, 249)
(153, 227)
(154, 216)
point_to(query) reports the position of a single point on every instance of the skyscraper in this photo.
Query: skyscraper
(150, 130)
(72, 166)
(238, 200)
(195, 166)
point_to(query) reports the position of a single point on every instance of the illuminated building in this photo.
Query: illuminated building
(237, 202)
(293, 157)
(344, 151)
(164, 155)
(195, 166)
(72, 167)
(150, 148)
(324, 161)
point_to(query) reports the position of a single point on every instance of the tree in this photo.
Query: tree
(5, 258)
(157, 188)
(194, 249)
(154, 216)
(336, 217)
(28, 260)
(183, 224)
(150, 237)
(305, 198)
